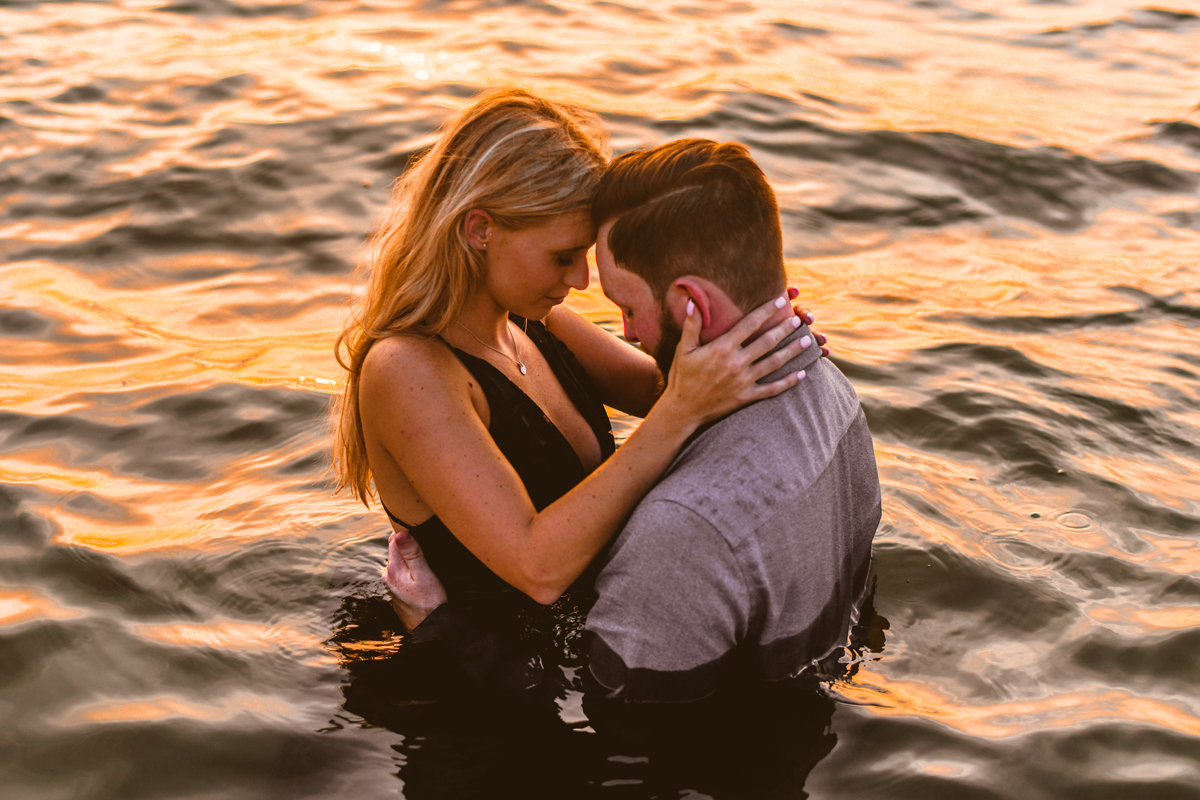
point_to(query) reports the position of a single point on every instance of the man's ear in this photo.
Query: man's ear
(477, 227)
(681, 291)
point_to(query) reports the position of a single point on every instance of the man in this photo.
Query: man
(746, 561)
(748, 557)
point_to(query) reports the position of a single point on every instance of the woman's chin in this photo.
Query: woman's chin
(540, 309)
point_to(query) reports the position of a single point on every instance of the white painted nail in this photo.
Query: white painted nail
(780, 302)
(795, 322)
(691, 306)
(800, 375)
(805, 341)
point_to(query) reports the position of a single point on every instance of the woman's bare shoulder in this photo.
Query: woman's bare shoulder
(402, 363)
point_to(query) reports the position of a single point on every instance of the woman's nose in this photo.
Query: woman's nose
(577, 276)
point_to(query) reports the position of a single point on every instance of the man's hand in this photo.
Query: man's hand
(415, 590)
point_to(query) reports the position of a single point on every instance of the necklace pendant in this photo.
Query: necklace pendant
(521, 367)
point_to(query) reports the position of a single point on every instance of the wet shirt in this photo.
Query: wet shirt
(748, 557)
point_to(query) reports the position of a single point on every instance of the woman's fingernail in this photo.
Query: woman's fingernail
(810, 318)
(780, 302)
(793, 292)
(805, 341)
(795, 322)
(691, 306)
(800, 375)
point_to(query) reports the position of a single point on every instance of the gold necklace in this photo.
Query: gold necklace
(517, 361)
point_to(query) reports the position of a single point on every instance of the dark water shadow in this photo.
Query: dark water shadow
(745, 742)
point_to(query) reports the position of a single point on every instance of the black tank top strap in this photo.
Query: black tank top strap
(394, 518)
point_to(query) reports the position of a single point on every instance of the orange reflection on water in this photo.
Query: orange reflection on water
(884, 696)
(225, 635)
(1175, 484)
(21, 606)
(167, 335)
(141, 514)
(893, 68)
(168, 706)
(64, 232)
(1178, 555)
(942, 275)
(1178, 618)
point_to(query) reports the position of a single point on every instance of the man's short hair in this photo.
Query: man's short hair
(694, 207)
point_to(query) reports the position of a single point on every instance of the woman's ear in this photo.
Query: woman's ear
(477, 227)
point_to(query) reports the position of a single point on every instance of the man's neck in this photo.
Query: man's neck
(724, 314)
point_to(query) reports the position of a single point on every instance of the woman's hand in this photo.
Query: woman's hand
(806, 315)
(707, 382)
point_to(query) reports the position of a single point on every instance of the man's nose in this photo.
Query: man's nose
(630, 336)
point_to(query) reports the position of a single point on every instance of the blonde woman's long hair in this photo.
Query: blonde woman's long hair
(523, 159)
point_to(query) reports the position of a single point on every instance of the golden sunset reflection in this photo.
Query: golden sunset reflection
(993, 211)
(1144, 619)
(884, 696)
(230, 635)
(24, 606)
(141, 515)
(167, 707)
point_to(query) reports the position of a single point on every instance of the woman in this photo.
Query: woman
(476, 402)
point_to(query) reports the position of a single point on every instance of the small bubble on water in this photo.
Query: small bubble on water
(1075, 520)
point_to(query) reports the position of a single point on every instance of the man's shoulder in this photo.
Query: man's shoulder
(757, 467)
(663, 516)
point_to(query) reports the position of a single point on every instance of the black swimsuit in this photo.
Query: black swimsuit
(542, 457)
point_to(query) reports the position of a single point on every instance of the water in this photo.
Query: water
(992, 208)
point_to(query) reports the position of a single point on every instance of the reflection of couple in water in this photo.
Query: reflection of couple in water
(722, 551)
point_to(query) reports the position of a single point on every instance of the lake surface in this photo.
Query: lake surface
(992, 208)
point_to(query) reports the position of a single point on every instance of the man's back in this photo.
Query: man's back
(749, 555)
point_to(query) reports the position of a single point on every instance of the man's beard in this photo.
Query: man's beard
(670, 334)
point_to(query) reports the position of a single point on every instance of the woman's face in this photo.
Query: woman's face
(531, 271)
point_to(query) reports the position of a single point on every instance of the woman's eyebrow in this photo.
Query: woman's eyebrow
(573, 249)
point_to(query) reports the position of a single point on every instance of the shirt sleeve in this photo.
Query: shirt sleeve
(673, 604)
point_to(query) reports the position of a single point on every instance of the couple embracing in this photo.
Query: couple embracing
(728, 540)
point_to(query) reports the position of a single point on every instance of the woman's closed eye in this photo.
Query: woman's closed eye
(569, 258)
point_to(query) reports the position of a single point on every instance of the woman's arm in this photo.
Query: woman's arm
(416, 403)
(627, 379)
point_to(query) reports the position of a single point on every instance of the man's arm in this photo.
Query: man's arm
(414, 588)
(673, 605)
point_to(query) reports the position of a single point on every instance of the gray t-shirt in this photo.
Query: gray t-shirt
(749, 555)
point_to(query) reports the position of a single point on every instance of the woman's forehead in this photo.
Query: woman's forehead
(569, 231)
